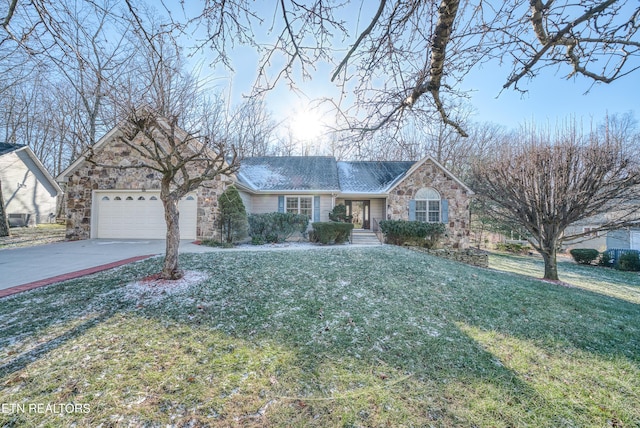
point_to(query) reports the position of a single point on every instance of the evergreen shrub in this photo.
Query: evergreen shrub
(584, 256)
(233, 216)
(402, 232)
(339, 214)
(276, 227)
(331, 232)
(605, 259)
(629, 261)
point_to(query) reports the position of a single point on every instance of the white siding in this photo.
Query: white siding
(25, 189)
(261, 204)
(596, 242)
(247, 201)
(325, 207)
(377, 209)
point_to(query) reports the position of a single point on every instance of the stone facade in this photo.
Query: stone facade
(431, 175)
(89, 177)
(468, 256)
(83, 178)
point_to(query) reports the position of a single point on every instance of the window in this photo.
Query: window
(105, 198)
(428, 211)
(153, 198)
(129, 198)
(141, 198)
(300, 205)
(428, 205)
(117, 198)
(591, 232)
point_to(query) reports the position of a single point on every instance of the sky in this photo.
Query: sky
(550, 97)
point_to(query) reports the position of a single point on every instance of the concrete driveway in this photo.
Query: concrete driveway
(20, 266)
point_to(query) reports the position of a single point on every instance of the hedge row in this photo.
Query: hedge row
(628, 260)
(402, 232)
(330, 232)
(276, 227)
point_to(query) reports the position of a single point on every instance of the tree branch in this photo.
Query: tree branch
(364, 34)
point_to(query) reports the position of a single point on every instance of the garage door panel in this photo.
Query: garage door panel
(140, 215)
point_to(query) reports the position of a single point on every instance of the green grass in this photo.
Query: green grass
(44, 233)
(607, 281)
(329, 337)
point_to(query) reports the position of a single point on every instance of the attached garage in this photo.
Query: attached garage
(138, 215)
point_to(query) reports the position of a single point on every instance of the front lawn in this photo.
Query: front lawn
(29, 236)
(324, 337)
(607, 281)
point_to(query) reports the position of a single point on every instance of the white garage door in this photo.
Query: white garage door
(139, 215)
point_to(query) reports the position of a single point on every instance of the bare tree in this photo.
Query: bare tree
(412, 56)
(252, 129)
(165, 118)
(81, 46)
(4, 222)
(184, 160)
(545, 183)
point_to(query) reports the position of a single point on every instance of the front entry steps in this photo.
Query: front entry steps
(364, 237)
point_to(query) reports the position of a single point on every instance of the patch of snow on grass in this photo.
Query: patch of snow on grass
(155, 289)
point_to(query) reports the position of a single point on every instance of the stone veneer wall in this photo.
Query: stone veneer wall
(430, 175)
(90, 177)
(468, 256)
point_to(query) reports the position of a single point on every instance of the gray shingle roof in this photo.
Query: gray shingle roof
(289, 173)
(8, 148)
(370, 177)
(323, 173)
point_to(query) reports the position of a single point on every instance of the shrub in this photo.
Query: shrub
(512, 247)
(629, 261)
(402, 232)
(233, 216)
(584, 256)
(605, 259)
(331, 232)
(339, 213)
(214, 243)
(276, 227)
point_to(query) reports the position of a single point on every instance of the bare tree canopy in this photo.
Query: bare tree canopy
(183, 160)
(396, 57)
(415, 55)
(168, 128)
(547, 182)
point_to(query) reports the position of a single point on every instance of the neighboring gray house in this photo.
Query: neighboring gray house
(124, 203)
(623, 238)
(29, 192)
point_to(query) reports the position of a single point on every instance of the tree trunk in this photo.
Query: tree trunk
(4, 222)
(170, 268)
(550, 263)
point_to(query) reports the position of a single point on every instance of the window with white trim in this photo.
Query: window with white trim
(428, 205)
(591, 232)
(299, 205)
